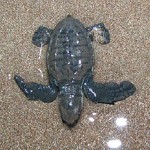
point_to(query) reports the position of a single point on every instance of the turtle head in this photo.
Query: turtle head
(70, 106)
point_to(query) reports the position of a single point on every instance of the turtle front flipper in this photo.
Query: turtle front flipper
(99, 32)
(107, 93)
(35, 91)
(41, 36)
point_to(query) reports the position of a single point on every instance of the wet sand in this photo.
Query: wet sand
(34, 125)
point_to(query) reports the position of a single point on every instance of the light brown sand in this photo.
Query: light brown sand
(34, 125)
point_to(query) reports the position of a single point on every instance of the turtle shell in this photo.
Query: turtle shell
(70, 53)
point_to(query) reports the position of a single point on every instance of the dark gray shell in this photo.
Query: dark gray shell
(70, 53)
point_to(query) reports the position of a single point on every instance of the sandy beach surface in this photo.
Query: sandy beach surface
(28, 125)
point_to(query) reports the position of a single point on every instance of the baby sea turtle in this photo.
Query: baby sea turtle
(70, 62)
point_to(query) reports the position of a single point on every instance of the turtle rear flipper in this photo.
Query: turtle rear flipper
(99, 32)
(35, 91)
(107, 93)
(42, 36)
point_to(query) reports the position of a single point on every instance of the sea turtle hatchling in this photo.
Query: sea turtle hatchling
(70, 62)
